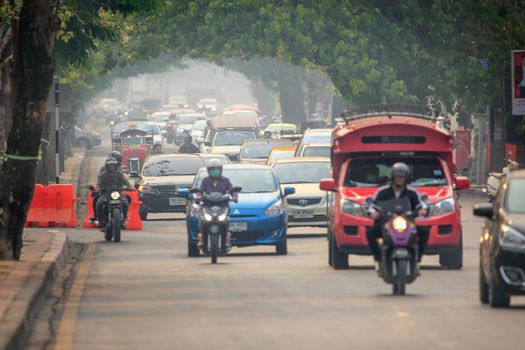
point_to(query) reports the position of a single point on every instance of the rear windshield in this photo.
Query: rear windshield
(316, 151)
(260, 150)
(172, 166)
(161, 117)
(374, 172)
(233, 138)
(515, 195)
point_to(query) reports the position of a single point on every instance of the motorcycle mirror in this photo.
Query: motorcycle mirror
(91, 188)
(194, 190)
(424, 197)
(369, 200)
(237, 189)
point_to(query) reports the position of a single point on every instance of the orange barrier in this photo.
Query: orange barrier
(53, 205)
(36, 208)
(134, 222)
(90, 212)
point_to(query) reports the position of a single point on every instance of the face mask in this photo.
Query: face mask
(215, 173)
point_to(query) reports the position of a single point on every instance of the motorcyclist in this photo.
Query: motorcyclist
(215, 182)
(96, 194)
(157, 148)
(398, 188)
(188, 146)
(110, 178)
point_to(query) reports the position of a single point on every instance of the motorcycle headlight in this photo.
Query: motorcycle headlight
(443, 207)
(275, 209)
(147, 189)
(222, 216)
(207, 216)
(511, 239)
(352, 208)
(399, 224)
(114, 195)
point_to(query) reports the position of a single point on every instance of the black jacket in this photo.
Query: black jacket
(191, 148)
(386, 193)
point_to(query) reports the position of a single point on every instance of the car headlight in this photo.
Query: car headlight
(511, 239)
(399, 224)
(147, 189)
(352, 208)
(443, 207)
(275, 209)
(115, 195)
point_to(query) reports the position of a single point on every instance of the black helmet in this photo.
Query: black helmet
(117, 156)
(214, 167)
(401, 170)
(111, 161)
(188, 138)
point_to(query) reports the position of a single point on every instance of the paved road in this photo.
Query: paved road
(145, 293)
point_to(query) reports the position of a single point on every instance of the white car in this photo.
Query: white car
(160, 118)
(197, 131)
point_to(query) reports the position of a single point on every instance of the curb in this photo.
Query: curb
(22, 312)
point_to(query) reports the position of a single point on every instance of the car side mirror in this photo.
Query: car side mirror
(485, 210)
(183, 192)
(288, 190)
(91, 188)
(207, 144)
(327, 185)
(462, 183)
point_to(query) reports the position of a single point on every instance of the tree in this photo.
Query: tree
(34, 27)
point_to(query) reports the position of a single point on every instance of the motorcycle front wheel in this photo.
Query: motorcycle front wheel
(116, 224)
(400, 282)
(214, 247)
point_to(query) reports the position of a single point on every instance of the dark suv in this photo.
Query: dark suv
(502, 248)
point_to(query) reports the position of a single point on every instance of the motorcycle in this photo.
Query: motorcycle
(495, 178)
(399, 247)
(215, 221)
(113, 208)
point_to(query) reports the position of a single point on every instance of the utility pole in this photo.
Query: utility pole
(57, 133)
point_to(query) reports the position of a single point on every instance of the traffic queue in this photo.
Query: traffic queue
(382, 180)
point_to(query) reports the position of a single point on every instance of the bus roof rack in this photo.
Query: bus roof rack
(388, 110)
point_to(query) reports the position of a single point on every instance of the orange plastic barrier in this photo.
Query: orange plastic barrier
(36, 208)
(53, 205)
(134, 222)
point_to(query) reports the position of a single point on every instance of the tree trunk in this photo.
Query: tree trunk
(33, 36)
(291, 98)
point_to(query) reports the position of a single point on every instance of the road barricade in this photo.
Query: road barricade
(53, 205)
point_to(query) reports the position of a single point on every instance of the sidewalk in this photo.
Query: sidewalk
(25, 283)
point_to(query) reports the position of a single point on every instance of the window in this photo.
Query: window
(304, 172)
(393, 139)
(374, 172)
(172, 166)
(232, 138)
(316, 151)
(515, 194)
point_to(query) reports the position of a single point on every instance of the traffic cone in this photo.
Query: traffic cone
(134, 222)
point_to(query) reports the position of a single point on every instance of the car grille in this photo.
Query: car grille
(247, 235)
(168, 190)
(304, 201)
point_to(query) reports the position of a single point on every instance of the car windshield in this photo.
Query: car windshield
(259, 150)
(251, 180)
(374, 172)
(317, 151)
(172, 166)
(159, 118)
(515, 195)
(233, 138)
(199, 125)
(302, 172)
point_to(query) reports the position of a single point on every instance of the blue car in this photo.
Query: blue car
(259, 217)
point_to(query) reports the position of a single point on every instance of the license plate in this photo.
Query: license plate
(177, 201)
(238, 226)
(303, 214)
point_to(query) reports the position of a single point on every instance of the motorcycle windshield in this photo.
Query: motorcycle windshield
(400, 205)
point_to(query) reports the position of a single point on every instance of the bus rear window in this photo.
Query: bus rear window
(393, 139)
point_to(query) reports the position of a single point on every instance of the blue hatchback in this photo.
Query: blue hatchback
(259, 217)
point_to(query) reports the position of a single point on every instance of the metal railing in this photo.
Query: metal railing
(388, 110)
